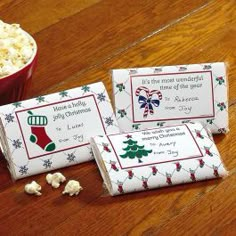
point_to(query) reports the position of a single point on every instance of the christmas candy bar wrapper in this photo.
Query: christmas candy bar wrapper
(157, 157)
(168, 95)
(53, 131)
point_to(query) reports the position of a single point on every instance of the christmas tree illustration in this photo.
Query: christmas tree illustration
(133, 150)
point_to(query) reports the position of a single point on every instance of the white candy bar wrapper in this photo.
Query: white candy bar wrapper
(169, 95)
(53, 131)
(155, 158)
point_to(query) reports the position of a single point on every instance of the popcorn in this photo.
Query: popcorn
(33, 188)
(16, 48)
(55, 179)
(72, 188)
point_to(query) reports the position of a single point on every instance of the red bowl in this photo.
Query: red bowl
(14, 87)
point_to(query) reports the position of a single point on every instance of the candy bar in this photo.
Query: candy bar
(53, 131)
(170, 95)
(157, 157)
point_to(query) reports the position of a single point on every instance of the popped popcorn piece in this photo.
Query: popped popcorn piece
(72, 188)
(33, 188)
(55, 179)
(16, 48)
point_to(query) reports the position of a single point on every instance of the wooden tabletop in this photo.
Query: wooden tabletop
(79, 42)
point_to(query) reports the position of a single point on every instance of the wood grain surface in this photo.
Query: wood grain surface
(79, 42)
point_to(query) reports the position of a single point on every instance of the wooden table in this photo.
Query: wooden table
(79, 41)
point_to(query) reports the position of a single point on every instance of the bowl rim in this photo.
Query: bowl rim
(28, 63)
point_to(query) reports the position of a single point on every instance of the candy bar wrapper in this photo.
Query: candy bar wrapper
(169, 95)
(155, 158)
(53, 131)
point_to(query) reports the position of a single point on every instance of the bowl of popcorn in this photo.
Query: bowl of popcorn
(18, 56)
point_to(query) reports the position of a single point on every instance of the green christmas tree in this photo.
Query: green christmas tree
(134, 150)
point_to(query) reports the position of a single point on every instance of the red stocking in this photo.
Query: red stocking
(39, 135)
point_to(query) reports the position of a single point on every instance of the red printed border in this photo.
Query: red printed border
(65, 149)
(155, 163)
(177, 118)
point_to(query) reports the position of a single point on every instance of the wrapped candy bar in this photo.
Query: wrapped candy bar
(155, 158)
(169, 95)
(53, 131)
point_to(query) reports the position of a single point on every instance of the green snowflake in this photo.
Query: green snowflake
(63, 94)
(40, 99)
(16, 104)
(85, 88)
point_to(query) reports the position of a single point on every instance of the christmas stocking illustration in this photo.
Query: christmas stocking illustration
(38, 133)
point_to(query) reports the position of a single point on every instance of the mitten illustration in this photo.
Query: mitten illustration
(38, 132)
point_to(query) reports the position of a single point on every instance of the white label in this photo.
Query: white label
(172, 96)
(154, 146)
(59, 126)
